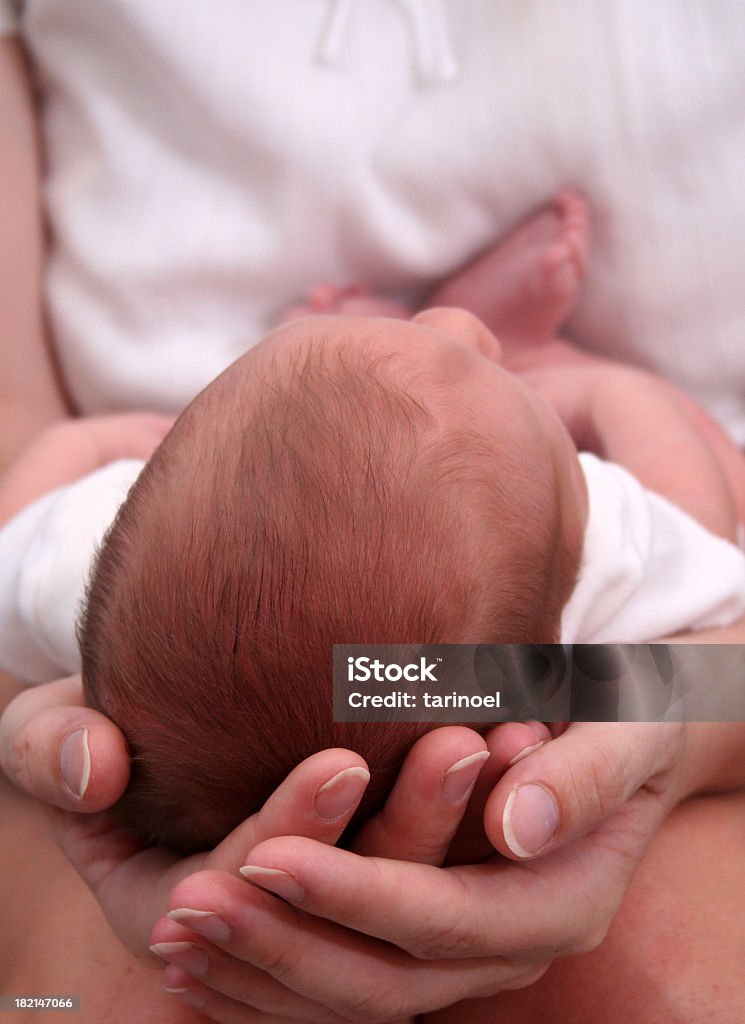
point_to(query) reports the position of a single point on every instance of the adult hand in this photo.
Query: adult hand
(365, 938)
(404, 915)
(75, 760)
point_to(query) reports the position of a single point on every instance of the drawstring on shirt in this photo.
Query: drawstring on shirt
(434, 52)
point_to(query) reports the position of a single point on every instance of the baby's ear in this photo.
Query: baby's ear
(463, 327)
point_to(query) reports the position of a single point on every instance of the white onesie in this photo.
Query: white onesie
(648, 570)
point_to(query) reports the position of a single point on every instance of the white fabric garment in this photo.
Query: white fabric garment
(45, 559)
(207, 163)
(648, 570)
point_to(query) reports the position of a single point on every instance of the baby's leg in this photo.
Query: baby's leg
(524, 287)
(349, 300)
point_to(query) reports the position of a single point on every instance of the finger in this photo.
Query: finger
(527, 908)
(235, 990)
(427, 803)
(61, 752)
(508, 743)
(316, 800)
(568, 787)
(309, 955)
(132, 882)
(512, 741)
(223, 1010)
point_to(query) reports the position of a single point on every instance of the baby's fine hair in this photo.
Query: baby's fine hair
(288, 510)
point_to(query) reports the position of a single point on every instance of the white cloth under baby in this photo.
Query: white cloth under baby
(648, 569)
(45, 558)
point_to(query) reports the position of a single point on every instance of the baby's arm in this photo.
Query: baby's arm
(59, 498)
(30, 395)
(652, 429)
(69, 450)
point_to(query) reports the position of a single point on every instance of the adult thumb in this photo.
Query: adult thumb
(60, 751)
(571, 784)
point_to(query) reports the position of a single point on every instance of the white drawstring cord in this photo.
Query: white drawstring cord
(334, 30)
(434, 51)
(436, 58)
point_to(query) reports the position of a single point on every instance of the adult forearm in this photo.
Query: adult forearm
(30, 392)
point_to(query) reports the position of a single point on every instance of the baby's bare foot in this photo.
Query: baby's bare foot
(564, 262)
(525, 287)
(347, 300)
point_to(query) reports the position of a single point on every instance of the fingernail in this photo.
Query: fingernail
(530, 819)
(460, 778)
(186, 955)
(341, 794)
(192, 998)
(203, 922)
(278, 882)
(75, 763)
(525, 751)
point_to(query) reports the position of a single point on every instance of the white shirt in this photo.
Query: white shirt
(207, 162)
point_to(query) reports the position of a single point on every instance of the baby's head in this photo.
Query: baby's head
(347, 481)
